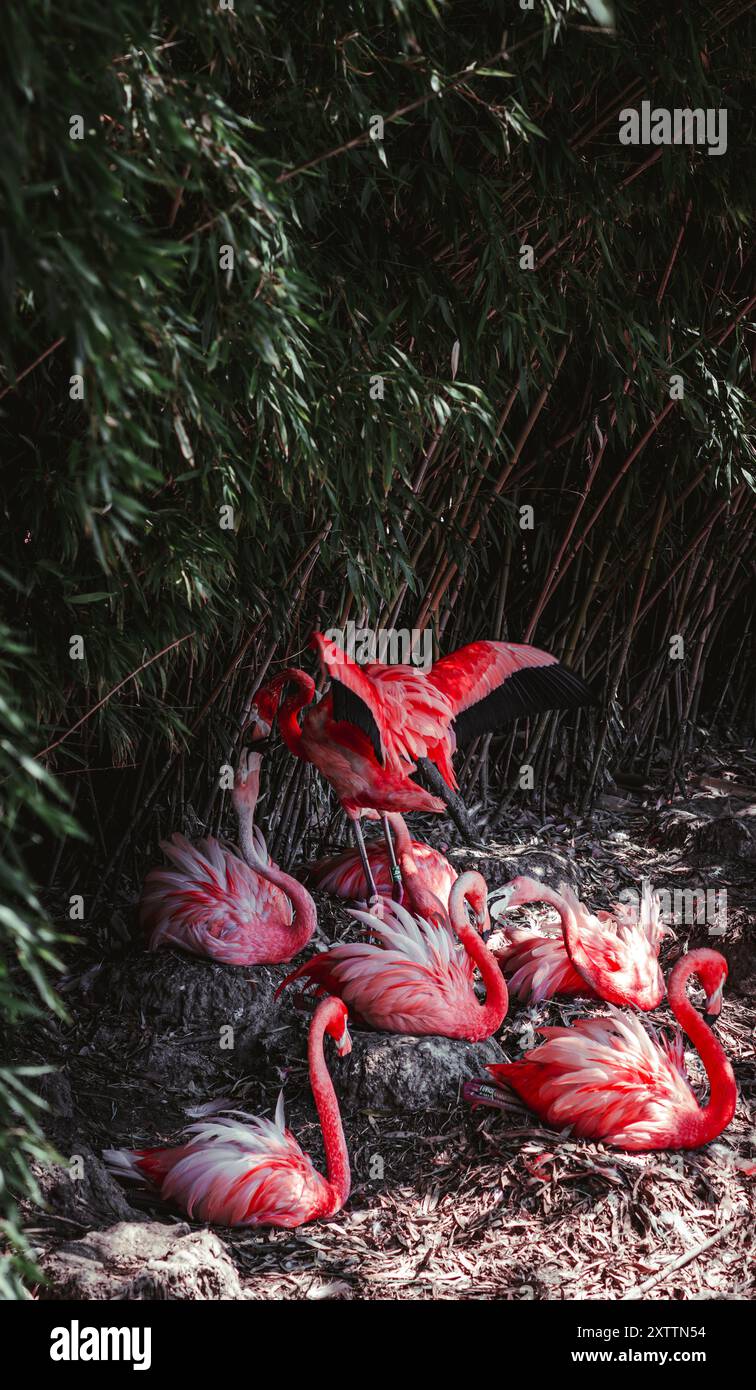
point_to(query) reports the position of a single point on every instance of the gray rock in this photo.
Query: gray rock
(141, 1260)
(707, 832)
(498, 866)
(173, 1008)
(177, 991)
(385, 1071)
(82, 1190)
(726, 837)
(60, 1124)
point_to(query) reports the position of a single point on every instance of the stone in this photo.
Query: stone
(141, 1260)
(709, 836)
(498, 866)
(726, 837)
(82, 1190)
(179, 1010)
(387, 1071)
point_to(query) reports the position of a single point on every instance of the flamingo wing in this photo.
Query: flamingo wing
(620, 957)
(412, 978)
(538, 967)
(403, 714)
(213, 904)
(648, 920)
(235, 1170)
(609, 1079)
(491, 683)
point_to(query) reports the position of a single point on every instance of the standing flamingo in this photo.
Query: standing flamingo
(376, 722)
(415, 978)
(610, 956)
(240, 1170)
(212, 903)
(611, 1081)
(344, 754)
(421, 866)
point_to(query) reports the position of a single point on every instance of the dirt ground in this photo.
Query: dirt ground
(445, 1203)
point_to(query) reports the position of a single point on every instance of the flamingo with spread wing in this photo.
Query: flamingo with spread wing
(367, 735)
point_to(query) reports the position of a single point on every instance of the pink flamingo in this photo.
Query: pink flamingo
(240, 1170)
(609, 956)
(368, 733)
(611, 1081)
(344, 754)
(214, 904)
(414, 977)
(421, 867)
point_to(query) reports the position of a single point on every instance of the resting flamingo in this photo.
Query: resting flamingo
(240, 1170)
(612, 1081)
(377, 722)
(422, 868)
(415, 977)
(212, 903)
(612, 956)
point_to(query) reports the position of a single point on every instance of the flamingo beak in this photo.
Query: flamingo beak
(714, 1003)
(344, 1043)
(483, 923)
(499, 903)
(258, 732)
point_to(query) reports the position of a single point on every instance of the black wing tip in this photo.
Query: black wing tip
(348, 708)
(531, 690)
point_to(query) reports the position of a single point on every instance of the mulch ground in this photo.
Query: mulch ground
(488, 1204)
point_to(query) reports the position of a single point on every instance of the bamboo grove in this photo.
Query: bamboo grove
(372, 386)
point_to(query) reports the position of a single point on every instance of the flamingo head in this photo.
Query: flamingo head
(518, 891)
(337, 1027)
(471, 888)
(267, 702)
(247, 782)
(265, 708)
(711, 969)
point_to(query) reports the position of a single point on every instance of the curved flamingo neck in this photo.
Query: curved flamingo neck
(288, 721)
(491, 1015)
(337, 1154)
(403, 839)
(723, 1094)
(305, 914)
(421, 899)
(579, 957)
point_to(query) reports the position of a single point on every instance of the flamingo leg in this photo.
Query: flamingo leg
(397, 890)
(373, 898)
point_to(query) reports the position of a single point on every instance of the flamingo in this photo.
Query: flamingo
(612, 1081)
(608, 956)
(241, 1170)
(414, 977)
(376, 722)
(423, 870)
(212, 903)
